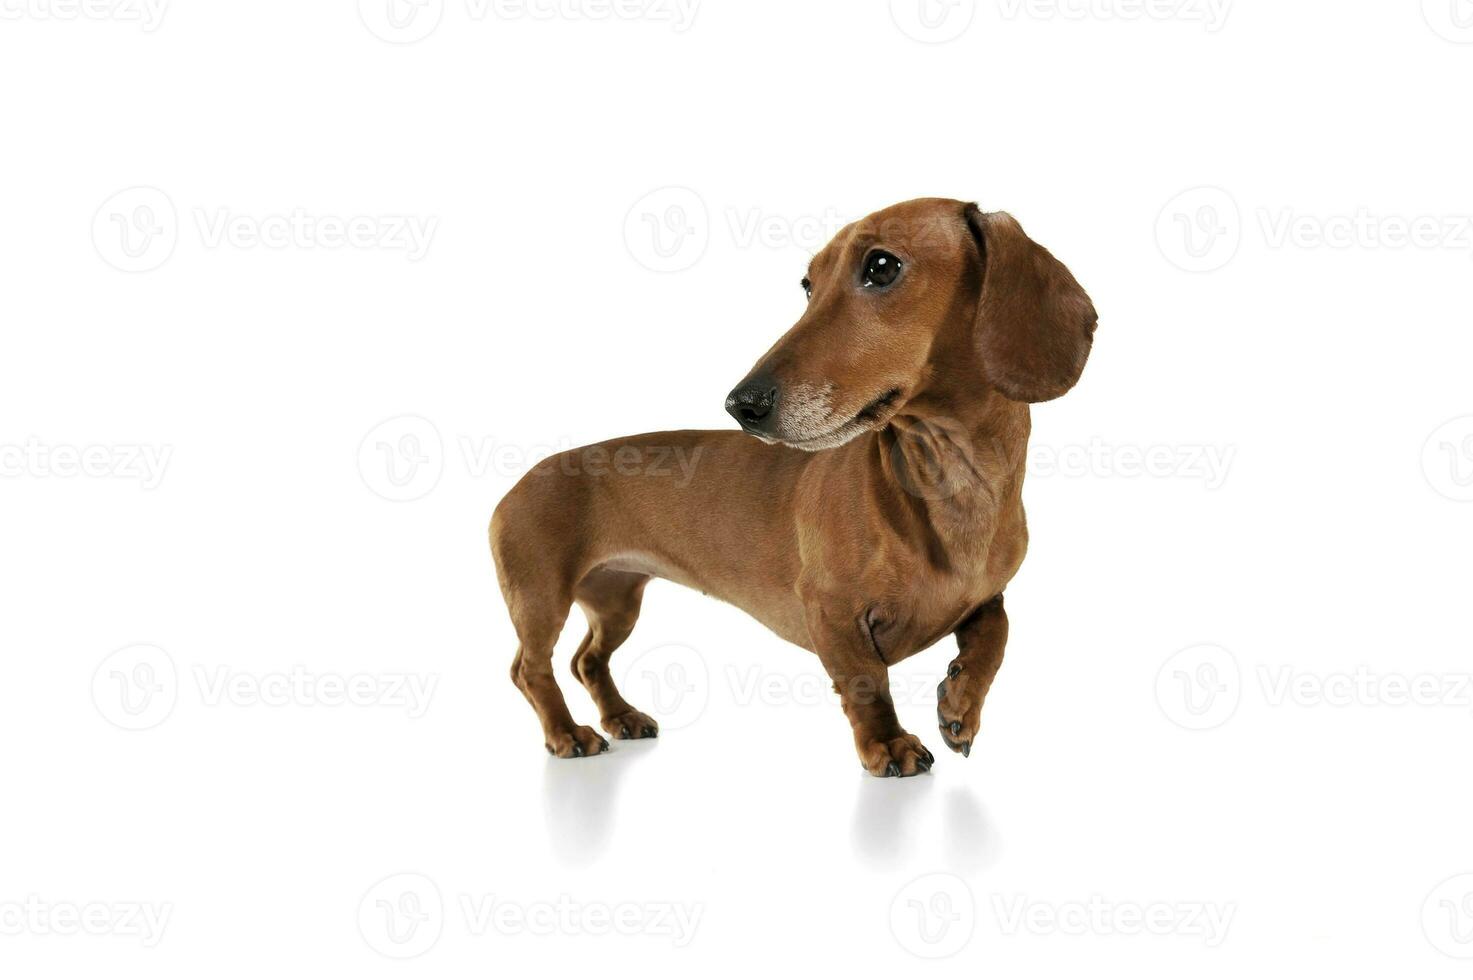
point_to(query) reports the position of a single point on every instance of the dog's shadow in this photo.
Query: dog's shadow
(580, 800)
(891, 815)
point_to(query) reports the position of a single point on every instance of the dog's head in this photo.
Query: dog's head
(930, 296)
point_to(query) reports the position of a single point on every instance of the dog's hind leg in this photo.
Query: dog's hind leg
(538, 600)
(531, 671)
(610, 599)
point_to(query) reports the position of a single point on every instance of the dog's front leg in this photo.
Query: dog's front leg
(862, 682)
(980, 639)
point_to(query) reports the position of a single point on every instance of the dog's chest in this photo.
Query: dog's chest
(931, 586)
(925, 614)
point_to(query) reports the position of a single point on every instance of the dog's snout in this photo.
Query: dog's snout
(753, 403)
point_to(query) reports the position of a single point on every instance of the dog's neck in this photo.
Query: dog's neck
(958, 458)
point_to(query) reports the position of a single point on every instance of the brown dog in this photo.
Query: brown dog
(878, 508)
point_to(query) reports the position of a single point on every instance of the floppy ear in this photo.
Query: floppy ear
(1035, 323)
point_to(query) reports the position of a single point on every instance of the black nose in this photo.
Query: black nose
(753, 403)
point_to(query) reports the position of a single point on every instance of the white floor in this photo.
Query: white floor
(1085, 821)
(255, 710)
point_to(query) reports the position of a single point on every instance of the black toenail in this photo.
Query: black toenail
(647, 732)
(940, 690)
(577, 750)
(955, 671)
(603, 745)
(623, 731)
(548, 748)
(956, 728)
(893, 769)
(924, 765)
(966, 750)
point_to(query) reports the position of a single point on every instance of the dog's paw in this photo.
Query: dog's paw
(631, 724)
(958, 709)
(577, 742)
(902, 756)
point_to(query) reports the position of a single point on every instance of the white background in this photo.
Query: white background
(1267, 465)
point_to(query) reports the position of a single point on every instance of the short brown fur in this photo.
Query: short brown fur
(863, 552)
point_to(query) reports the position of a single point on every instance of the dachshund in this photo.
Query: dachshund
(870, 505)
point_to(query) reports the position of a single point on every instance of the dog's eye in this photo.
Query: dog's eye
(807, 287)
(880, 269)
